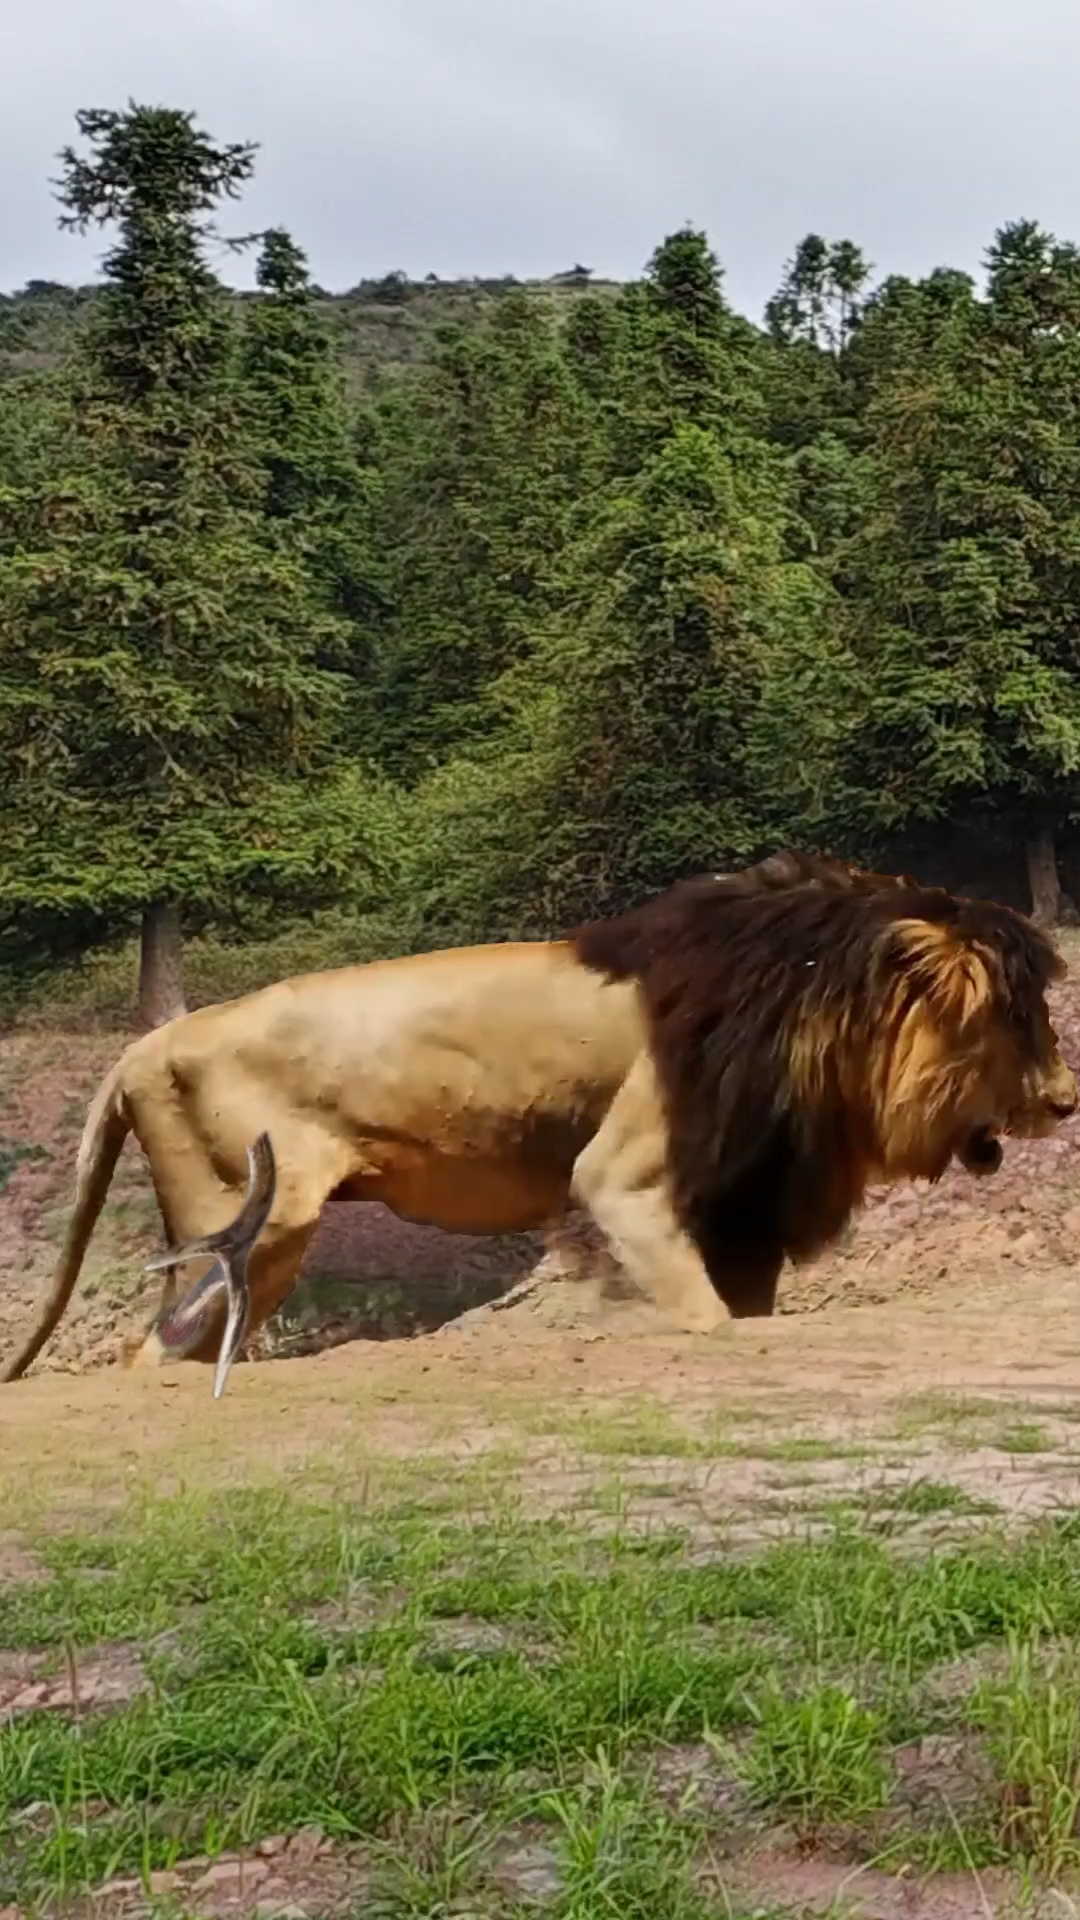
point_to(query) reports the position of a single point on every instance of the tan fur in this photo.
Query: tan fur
(480, 1089)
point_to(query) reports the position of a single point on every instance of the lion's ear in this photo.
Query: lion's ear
(954, 977)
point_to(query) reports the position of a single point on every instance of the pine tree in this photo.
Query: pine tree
(820, 298)
(660, 657)
(682, 357)
(691, 616)
(166, 686)
(487, 466)
(965, 577)
(32, 428)
(813, 402)
(642, 718)
(317, 496)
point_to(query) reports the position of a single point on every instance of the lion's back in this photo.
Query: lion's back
(470, 1047)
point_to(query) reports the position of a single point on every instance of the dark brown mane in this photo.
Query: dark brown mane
(621, 945)
(732, 968)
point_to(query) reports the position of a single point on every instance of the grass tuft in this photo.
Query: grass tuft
(1032, 1719)
(817, 1759)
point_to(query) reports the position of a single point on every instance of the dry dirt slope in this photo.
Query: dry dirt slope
(369, 1275)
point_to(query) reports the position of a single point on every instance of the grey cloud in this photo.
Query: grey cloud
(496, 136)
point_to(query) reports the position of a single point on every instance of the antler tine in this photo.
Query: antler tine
(241, 1233)
(232, 1247)
(249, 1223)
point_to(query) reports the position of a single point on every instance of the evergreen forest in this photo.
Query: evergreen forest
(433, 612)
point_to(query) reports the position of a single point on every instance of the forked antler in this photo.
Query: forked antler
(232, 1247)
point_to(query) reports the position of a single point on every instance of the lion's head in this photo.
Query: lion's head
(949, 1045)
(817, 1028)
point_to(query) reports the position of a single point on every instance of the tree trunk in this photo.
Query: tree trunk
(1043, 878)
(161, 959)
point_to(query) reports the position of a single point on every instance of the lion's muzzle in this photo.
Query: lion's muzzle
(981, 1152)
(1049, 1098)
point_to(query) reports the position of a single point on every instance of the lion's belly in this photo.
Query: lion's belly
(468, 1193)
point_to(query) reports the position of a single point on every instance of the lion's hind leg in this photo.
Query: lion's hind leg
(194, 1328)
(621, 1177)
(197, 1200)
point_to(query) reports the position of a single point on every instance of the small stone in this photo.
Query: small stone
(29, 1697)
(272, 1898)
(532, 1872)
(165, 1880)
(306, 1845)
(232, 1873)
(274, 1844)
(33, 1811)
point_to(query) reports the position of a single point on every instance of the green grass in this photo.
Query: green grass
(622, 1856)
(301, 1673)
(949, 1413)
(13, 1153)
(924, 1499)
(648, 1429)
(894, 1509)
(1023, 1436)
(98, 990)
(817, 1758)
(971, 1421)
(1032, 1717)
(799, 1448)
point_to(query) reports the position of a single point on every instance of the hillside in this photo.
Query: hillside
(377, 325)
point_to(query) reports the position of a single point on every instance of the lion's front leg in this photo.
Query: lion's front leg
(621, 1176)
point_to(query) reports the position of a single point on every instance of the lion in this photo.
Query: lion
(716, 1076)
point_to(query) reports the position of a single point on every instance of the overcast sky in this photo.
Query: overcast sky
(491, 136)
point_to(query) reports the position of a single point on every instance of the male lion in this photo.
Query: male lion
(716, 1075)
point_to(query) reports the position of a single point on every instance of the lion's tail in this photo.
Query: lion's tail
(107, 1127)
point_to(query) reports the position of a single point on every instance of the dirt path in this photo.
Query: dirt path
(985, 1388)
